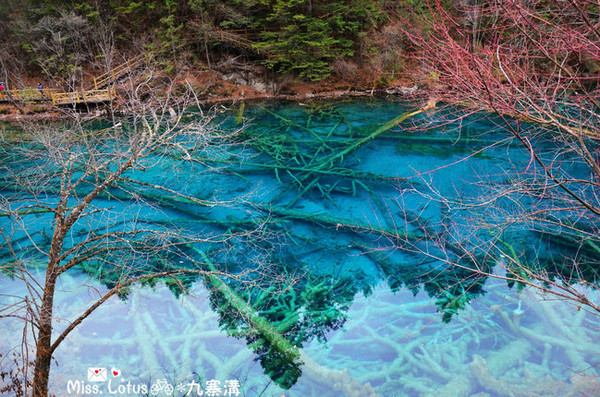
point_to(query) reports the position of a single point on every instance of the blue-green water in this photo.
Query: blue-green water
(367, 237)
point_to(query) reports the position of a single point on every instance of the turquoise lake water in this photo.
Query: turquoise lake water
(349, 253)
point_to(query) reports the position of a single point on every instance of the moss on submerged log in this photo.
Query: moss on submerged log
(290, 353)
(326, 220)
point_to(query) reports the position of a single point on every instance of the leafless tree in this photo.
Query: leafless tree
(70, 197)
(533, 67)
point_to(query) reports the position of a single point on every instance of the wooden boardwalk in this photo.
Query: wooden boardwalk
(102, 91)
(59, 98)
(84, 96)
(112, 75)
(26, 94)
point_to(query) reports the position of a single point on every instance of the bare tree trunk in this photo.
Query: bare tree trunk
(43, 354)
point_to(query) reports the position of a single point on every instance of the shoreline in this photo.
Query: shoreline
(290, 97)
(53, 113)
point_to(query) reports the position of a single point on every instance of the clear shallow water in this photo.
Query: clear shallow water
(367, 310)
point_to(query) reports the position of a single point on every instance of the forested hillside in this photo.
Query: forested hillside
(365, 44)
(305, 39)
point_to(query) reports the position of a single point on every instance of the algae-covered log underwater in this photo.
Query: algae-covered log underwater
(361, 247)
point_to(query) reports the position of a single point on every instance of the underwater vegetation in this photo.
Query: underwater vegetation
(335, 267)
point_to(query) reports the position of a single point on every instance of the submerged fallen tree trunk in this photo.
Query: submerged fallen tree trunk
(336, 171)
(328, 161)
(326, 220)
(27, 211)
(257, 322)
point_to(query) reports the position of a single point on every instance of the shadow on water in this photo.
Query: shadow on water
(343, 203)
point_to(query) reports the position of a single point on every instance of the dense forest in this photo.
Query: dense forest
(305, 39)
(364, 44)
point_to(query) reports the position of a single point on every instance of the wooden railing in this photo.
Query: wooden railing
(83, 96)
(113, 74)
(26, 94)
(95, 94)
(57, 97)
